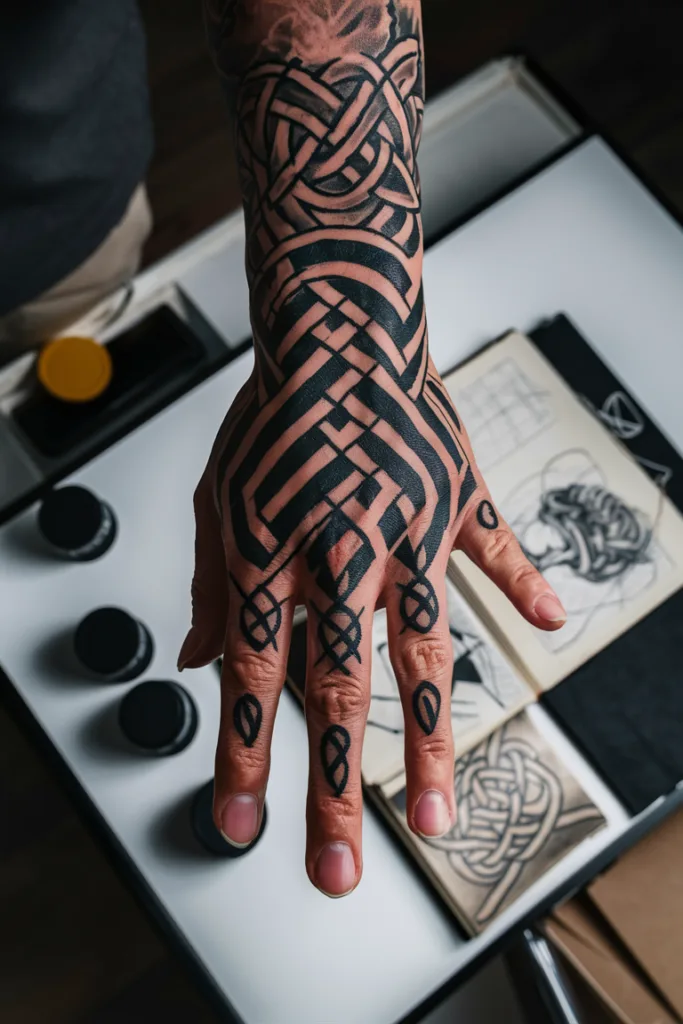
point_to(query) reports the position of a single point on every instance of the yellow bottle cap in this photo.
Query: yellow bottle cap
(74, 369)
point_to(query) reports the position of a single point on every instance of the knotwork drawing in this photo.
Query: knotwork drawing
(519, 811)
(596, 549)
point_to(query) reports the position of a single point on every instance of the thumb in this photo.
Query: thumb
(204, 642)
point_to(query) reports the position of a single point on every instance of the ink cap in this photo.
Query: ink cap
(74, 369)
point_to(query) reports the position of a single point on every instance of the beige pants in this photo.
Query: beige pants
(110, 267)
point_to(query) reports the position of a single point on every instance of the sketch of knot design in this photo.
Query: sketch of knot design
(339, 634)
(334, 746)
(620, 413)
(601, 536)
(508, 805)
(347, 436)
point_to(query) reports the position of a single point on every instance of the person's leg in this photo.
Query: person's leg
(112, 265)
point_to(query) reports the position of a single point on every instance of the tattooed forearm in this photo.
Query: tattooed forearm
(347, 450)
(426, 706)
(334, 746)
(247, 716)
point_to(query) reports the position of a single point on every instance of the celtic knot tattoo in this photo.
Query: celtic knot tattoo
(247, 716)
(487, 515)
(334, 746)
(426, 706)
(347, 449)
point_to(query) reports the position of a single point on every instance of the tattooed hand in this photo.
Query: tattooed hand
(342, 477)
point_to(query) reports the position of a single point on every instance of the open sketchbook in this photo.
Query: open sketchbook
(586, 513)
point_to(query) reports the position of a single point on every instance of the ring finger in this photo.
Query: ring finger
(422, 658)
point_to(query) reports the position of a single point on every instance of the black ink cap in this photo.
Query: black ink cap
(206, 832)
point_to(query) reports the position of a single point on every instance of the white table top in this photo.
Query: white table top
(583, 237)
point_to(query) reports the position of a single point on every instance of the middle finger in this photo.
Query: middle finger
(337, 702)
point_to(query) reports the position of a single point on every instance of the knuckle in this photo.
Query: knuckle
(500, 543)
(341, 811)
(244, 762)
(256, 671)
(523, 573)
(198, 496)
(338, 698)
(435, 749)
(202, 495)
(339, 556)
(424, 658)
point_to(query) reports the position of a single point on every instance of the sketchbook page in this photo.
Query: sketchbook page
(485, 690)
(519, 811)
(586, 514)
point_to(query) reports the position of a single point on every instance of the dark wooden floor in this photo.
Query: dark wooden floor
(76, 949)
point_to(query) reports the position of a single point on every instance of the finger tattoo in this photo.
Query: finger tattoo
(486, 515)
(334, 746)
(247, 716)
(426, 706)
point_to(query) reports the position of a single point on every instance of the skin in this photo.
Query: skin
(342, 477)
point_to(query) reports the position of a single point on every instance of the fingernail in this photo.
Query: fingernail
(335, 871)
(432, 817)
(240, 819)
(549, 608)
(190, 647)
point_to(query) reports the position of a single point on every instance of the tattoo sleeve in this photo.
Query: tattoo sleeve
(347, 449)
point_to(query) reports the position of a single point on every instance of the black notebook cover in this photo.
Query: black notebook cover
(584, 371)
(624, 707)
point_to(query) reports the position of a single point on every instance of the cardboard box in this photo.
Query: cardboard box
(642, 898)
(576, 931)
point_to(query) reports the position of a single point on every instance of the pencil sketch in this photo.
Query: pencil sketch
(594, 548)
(484, 687)
(518, 812)
(503, 409)
(620, 414)
(624, 419)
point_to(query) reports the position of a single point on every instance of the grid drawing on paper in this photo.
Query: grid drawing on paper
(503, 410)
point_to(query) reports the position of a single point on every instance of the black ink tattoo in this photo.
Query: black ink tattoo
(426, 706)
(334, 746)
(339, 633)
(247, 715)
(487, 515)
(348, 435)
